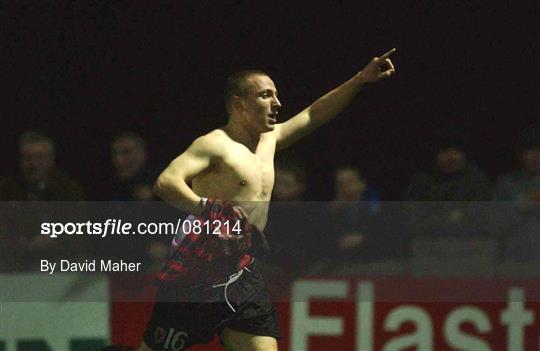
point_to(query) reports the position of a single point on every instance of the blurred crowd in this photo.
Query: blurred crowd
(451, 199)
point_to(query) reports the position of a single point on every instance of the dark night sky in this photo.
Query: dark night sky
(82, 71)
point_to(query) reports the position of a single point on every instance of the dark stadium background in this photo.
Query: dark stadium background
(83, 71)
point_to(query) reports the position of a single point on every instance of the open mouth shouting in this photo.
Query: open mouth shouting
(273, 117)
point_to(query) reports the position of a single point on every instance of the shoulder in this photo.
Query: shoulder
(12, 188)
(216, 137)
(211, 144)
(511, 180)
(509, 186)
(473, 170)
(422, 177)
(65, 186)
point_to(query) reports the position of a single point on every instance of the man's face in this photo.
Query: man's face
(530, 159)
(127, 157)
(350, 186)
(37, 159)
(450, 160)
(261, 105)
(287, 186)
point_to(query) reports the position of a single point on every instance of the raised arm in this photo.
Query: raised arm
(330, 105)
(171, 185)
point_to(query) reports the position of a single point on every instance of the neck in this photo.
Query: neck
(242, 134)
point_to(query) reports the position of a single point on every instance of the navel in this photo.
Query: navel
(243, 182)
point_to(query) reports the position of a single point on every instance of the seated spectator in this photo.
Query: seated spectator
(132, 180)
(522, 190)
(454, 186)
(523, 184)
(133, 177)
(293, 226)
(453, 177)
(290, 183)
(353, 216)
(39, 180)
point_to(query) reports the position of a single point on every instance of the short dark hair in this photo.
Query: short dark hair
(235, 85)
(133, 136)
(35, 137)
(349, 167)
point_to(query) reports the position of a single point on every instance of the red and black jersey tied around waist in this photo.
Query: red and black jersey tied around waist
(208, 257)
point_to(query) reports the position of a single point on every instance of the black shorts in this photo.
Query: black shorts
(183, 317)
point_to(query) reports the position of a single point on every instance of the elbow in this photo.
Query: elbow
(158, 188)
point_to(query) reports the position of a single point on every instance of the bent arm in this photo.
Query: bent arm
(171, 185)
(334, 102)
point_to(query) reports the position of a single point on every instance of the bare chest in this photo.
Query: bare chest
(241, 175)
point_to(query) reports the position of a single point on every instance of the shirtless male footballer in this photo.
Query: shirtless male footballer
(231, 170)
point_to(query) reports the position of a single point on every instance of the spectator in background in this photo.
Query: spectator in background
(293, 227)
(452, 186)
(524, 184)
(522, 190)
(353, 216)
(133, 178)
(290, 183)
(453, 178)
(39, 180)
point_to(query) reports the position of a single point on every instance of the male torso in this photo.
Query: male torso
(240, 175)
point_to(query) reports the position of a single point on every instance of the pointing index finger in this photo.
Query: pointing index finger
(387, 55)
